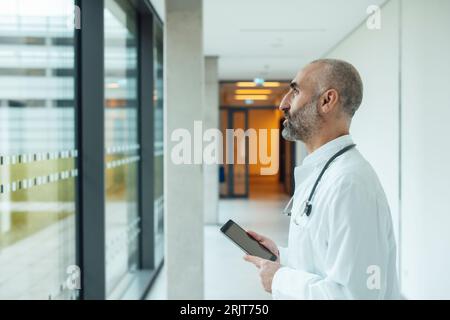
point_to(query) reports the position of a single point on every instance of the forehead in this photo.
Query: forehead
(306, 77)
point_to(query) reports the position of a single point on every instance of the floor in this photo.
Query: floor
(261, 213)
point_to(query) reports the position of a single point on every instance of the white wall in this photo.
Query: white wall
(425, 149)
(375, 127)
(420, 202)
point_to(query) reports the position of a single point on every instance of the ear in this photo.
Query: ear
(328, 101)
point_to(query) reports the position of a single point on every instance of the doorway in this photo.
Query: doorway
(244, 180)
(234, 175)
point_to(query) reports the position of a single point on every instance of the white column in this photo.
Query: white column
(211, 120)
(184, 79)
(425, 158)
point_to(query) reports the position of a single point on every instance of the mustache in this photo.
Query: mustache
(287, 116)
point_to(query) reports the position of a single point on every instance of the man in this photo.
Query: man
(344, 247)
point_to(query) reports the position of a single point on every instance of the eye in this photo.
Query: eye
(294, 91)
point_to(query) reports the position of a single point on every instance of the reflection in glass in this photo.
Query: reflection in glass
(121, 145)
(37, 164)
(158, 143)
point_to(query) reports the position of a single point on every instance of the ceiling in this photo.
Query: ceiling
(272, 39)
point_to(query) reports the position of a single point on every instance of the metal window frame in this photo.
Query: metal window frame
(89, 118)
(157, 246)
(146, 136)
(147, 18)
(89, 49)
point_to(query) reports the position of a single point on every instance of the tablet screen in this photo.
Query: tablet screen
(246, 242)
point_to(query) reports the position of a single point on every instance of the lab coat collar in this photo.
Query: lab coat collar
(326, 151)
(319, 157)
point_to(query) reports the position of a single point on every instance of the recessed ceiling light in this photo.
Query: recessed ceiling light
(251, 97)
(272, 84)
(253, 91)
(252, 84)
(246, 84)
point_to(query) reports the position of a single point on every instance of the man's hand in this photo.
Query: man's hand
(267, 270)
(266, 242)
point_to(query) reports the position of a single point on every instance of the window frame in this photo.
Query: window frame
(89, 117)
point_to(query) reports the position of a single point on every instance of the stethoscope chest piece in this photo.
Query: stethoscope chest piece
(305, 209)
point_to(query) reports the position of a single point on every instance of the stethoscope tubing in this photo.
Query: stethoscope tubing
(308, 203)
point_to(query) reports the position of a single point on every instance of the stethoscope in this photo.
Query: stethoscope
(306, 207)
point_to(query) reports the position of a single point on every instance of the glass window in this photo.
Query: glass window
(121, 145)
(158, 143)
(37, 149)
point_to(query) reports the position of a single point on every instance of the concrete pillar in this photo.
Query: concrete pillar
(184, 95)
(211, 120)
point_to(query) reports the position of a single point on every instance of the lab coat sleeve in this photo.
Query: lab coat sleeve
(283, 255)
(353, 247)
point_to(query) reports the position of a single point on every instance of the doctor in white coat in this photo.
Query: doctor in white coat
(341, 241)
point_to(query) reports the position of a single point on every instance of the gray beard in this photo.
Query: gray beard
(303, 124)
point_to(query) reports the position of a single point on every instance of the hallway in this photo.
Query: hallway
(132, 130)
(227, 275)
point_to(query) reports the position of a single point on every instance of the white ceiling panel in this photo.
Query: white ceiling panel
(273, 38)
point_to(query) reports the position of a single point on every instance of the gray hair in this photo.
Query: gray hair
(343, 77)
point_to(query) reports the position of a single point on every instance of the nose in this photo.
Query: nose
(285, 104)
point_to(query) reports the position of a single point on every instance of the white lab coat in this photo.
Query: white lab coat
(346, 248)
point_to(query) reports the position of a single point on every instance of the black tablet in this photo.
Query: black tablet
(244, 241)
